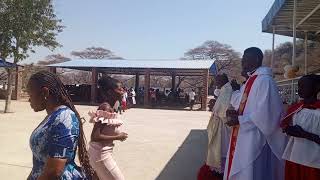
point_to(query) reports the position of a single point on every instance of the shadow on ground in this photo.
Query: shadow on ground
(190, 156)
(197, 107)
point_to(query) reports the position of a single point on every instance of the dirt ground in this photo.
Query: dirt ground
(162, 144)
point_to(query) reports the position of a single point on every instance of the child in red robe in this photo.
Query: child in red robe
(302, 124)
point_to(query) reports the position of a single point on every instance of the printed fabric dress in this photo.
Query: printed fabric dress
(56, 137)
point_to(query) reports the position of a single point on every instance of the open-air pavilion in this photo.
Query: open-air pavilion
(296, 19)
(146, 68)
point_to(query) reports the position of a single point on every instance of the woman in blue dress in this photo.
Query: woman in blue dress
(55, 141)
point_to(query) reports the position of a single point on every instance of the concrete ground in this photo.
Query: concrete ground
(162, 144)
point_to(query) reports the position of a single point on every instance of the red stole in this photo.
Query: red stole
(235, 129)
(295, 108)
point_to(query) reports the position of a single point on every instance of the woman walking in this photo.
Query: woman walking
(106, 130)
(56, 139)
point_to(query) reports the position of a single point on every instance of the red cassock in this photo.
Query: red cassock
(294, 171)
(206, 174)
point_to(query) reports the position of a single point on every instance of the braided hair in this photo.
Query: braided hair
(59, 93)
(106, 85)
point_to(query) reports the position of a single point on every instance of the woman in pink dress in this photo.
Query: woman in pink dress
(107, 122)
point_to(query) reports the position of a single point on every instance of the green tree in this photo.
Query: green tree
(225, 57)
(53, 59)
(23, 26)
(283, 56)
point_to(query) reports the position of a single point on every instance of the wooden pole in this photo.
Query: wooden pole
(306, 53)
(205, 90)
(273, 42)
(137, 82)
(53, 70)
(94, 79)
(294, 34)
(146, 87)
(173, 81)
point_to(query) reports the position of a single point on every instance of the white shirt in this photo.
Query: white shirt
(192, 95)
(133, 93)
(124, 97)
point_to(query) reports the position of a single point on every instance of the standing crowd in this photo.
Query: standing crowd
(251, 136)
(159, 98)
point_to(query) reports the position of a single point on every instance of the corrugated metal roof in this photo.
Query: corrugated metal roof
(6, 64)
(138, 64)
(281, 13)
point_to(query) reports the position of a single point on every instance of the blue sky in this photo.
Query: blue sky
(158, 29)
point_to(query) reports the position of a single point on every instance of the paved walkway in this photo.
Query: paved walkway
(162, 144)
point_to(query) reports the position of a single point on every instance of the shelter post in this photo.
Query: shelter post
(273, 41)
(173, 81)
(53, 70)
(94, 80)
(306, 53)
(146, 87)
(205, 90)
(137, 82)
(294, 33)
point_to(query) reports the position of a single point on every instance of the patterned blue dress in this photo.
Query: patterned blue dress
(56, 137)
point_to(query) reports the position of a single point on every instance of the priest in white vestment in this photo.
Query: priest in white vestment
(218, 131)
(259, 143)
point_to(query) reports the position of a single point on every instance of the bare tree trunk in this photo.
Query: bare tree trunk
(9, 91)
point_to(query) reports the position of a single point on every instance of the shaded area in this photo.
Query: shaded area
(186, 162)
(175, 108)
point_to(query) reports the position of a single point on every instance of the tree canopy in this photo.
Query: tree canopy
(53, 59)
(95, 53)
(283, 56)
(24, 25)
(225, 57)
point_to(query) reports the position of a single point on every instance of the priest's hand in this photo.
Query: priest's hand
(295, 131)
(232, 116)
(232, 113)
(233, 122)
(234, 84)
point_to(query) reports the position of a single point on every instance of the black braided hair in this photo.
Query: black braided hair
(58, 93)
(107, 84)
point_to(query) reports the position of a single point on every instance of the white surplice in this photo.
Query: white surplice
(301, 150)
(260, 143)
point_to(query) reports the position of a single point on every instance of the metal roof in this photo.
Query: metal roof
(137, 64)
(280, 16)
(131, 67)
(6, 64)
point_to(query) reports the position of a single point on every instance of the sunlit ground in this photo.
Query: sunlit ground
(162, 144)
